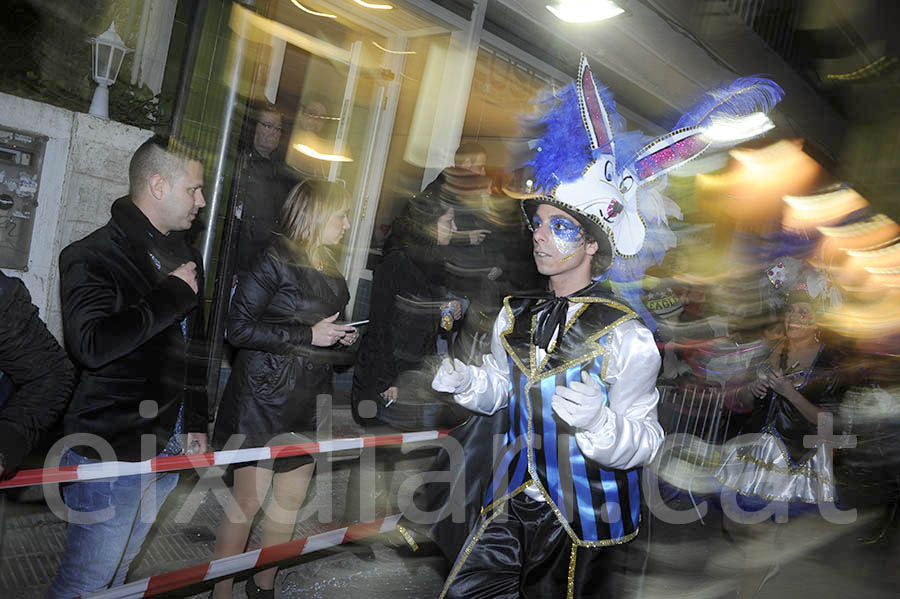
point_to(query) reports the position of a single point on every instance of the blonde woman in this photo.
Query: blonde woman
(283, 323)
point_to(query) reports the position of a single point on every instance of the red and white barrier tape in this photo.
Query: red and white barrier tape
(64, 474)
(163, 583)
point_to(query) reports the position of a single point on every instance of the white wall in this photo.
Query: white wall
(85, 168)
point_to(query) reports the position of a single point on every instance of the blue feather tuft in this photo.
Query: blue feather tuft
(563, 147)
(741, 97)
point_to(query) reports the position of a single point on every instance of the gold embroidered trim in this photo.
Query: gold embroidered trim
(596, 350)
(803, 470)
(543, 363)
(408, 538)
(799, 468)
(787, 458)
(570, 587)
(535, 374)
(826, 499)
(475, 537)
(509, 350)
(509, 495)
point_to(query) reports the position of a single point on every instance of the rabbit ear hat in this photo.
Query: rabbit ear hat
(611, 179)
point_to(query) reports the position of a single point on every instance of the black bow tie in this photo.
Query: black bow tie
(551, 316)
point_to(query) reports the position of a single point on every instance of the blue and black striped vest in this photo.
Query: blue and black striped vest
(596, 505)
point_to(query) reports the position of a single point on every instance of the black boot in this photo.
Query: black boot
(254, 592)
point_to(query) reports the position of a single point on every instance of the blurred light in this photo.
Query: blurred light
(869, 320)
(312, 153)
(752, 188)
(888, 248)
(892, 270)
(259, 29)
(383, 49)
(585, 11)
(864, 228)
(312, 12)
(732, 130)
(806, 212)
(863, 243)
(374, 6)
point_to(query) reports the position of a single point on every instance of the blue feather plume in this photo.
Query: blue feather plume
(563, 148)
(739, 98)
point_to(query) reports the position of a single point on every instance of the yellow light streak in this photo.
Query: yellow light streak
(312, 153)
(374, 6)
(312, 12)
(383, 49)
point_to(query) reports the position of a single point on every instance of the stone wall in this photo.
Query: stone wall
(85, 169)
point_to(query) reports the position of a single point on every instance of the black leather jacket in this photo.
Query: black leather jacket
(261, 188)
(41, 373)
(277, 372)
(134, 332)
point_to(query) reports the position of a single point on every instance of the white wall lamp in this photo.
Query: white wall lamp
(107, 52)
(585, 11)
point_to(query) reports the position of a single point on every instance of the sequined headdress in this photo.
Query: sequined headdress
(789, 280)
(611, 179)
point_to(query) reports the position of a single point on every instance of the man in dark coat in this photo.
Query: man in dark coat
(132, 322)
(41, 375)
(261, 186)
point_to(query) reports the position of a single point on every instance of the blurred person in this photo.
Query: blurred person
(408, 304)
(410, 312)
(476, 259)
(132, 321)
(312, 120)
(464, 186)
(261, 186)
(799, 380)
(41, 375)
(283, 322)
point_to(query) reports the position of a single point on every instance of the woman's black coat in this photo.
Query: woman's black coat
(277, 373)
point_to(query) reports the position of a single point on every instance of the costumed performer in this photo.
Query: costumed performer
(576, 369)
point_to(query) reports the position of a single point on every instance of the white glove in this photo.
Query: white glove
(452, 377)
(581, 403)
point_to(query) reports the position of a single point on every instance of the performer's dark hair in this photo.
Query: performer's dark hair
(602, 258)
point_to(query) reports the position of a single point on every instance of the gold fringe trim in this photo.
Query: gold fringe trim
(408, 538)
(827, 499)
(802, 470)
(570, 587)
(474, 540)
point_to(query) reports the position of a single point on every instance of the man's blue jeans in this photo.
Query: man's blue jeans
(108, 522)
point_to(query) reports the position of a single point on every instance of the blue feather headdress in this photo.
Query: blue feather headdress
(612, 180)
(739, 98)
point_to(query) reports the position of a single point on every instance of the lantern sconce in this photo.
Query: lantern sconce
(107, 52)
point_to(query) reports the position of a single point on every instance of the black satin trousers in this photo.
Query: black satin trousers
(526, 553)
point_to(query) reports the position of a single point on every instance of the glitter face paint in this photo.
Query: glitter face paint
(567, 235)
